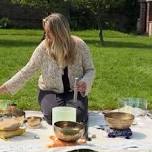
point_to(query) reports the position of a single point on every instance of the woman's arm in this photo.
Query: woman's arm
(88, 66)
(18, 80)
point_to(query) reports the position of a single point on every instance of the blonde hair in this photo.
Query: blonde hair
(62, 46)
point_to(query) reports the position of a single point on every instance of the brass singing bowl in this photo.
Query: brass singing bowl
(33, 121)
(68, 131)
(9, 110)
(119, 120)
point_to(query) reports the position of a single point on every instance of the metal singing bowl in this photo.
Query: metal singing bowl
(33, 121)
(68, 131)
(119, 120)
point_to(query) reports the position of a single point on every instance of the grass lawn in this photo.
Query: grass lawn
(123, 66)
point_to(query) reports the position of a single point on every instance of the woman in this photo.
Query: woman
(61, 58)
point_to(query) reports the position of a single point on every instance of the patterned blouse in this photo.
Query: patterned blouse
(51, 73)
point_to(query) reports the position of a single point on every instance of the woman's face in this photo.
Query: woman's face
(48, 32)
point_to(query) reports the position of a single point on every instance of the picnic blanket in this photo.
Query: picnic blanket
(36, 140)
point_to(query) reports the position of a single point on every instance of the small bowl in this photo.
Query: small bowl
(11, 111)
(33, 121)
(68, 131)
(119, 120)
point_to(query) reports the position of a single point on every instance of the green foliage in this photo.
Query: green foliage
(4, 22)
(33, 3)
(94, 5)
(48, 5)
(107, 14)
(100, 9)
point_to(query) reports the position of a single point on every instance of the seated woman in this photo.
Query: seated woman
(61, 57)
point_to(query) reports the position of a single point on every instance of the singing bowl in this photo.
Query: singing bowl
(68, 131)
(119, 120)
(33, 121)
(11, 110)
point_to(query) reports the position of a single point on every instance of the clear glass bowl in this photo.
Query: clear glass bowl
(135, 106)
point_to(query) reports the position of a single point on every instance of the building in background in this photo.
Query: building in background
(144, 23)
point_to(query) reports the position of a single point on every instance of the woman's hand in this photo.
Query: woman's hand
(81, 86)
(3, 90)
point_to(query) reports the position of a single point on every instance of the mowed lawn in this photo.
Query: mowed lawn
(123, 66)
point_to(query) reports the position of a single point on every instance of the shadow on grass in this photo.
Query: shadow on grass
(17, 43)
(107, 44)
(21, 34)
(127, 45)
(118, 44)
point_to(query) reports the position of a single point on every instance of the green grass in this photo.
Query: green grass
(123, 66)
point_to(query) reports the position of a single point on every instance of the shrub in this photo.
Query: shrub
(4, 22)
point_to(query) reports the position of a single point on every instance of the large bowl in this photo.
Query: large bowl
(119, 120)
(68, 131)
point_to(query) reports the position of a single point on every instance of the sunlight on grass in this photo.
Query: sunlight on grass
(123, 66)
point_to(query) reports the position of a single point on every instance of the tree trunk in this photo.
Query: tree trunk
(101, 35)
(99, 21)
(100, 30)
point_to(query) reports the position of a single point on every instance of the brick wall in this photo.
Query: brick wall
(150, 12)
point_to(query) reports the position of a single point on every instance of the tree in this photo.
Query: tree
(98, 9)
(48, 5)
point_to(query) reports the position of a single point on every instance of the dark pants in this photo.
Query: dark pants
(49, 99)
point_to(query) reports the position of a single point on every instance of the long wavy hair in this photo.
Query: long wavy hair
(62, 46)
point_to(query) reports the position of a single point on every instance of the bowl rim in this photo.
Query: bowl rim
(107, 115)
(35, 117)
(77, 123)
